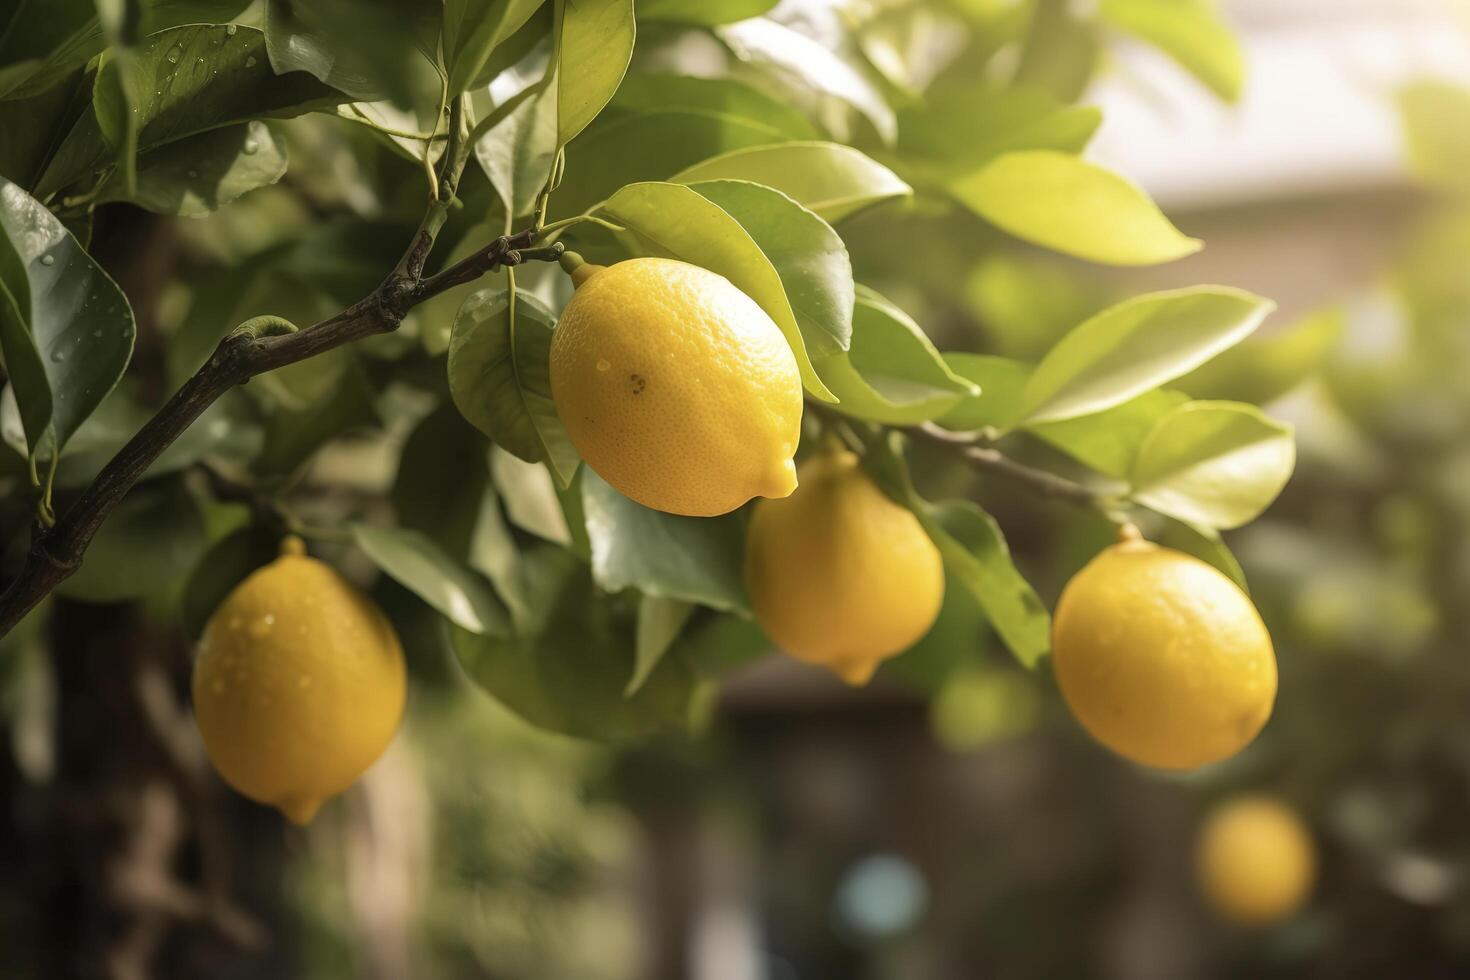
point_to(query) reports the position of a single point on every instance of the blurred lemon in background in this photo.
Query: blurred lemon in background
(840, 575)
(1161, 657)
(299, 684)
(1255, 861)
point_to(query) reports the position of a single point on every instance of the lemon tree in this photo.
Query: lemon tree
(658, 372)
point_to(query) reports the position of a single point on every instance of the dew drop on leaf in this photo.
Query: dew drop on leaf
(230, 30)
(250, 147)
(174, 54)
(48, 259)
(58, 356)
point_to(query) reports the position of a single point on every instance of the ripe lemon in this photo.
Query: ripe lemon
(1255, 861)
(676, 387)
(840, 575)
(1162, 658)
(299, 684)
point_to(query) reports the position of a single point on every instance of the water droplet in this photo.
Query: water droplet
(201, 61)
(58, 356)
(48, 259)
(174, 54)
(603, 364)
(230, 30)
(250, 62)
(251, 147)
(305, 681)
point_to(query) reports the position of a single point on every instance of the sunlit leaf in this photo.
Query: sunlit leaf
(831, 179)
(418, 564)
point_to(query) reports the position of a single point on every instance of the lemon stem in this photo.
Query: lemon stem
(577, 267)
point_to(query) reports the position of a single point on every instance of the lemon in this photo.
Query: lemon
(1162, 658)
(1255, 861)
(299, 684)
(676, 387)
(839, 575)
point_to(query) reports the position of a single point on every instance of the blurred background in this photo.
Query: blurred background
(950, 821)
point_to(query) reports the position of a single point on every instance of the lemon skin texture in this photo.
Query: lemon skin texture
(676, 387)
(838, 574)
(1255, 861)
(1162, 658)
(298, 686)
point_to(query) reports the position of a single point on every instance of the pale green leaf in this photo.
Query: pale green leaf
(892, 373)
(1065, 203)
(1136, 345)
(1189, 31)
(1216, 464)
(413, 560)
(659, 622)
(707, 13)
(596, 45)
(833, 180)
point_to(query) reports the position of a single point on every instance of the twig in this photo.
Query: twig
(992, 460)
(56, 552)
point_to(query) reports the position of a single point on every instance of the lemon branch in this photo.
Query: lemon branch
(985, 457)
(265, 345)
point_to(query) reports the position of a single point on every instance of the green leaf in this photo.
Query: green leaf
(33, 127)
(976, 555)
(596, 46)
(473, 29)
(66, 330)
(833, 180)
(694, 559)
(769, 44)
(531, 500)
(661, 92)
(153, 537)
(1436, 131)
(203, 173)
(649, 146)
(442, 477)
(707, 13)
(808, 255)
(414, 561)
(1205, 544)
(1136, 345)
(1060, 51)
(1189, 31)
(371, 51)
(1216, 464)
(1001, 381)
(517, 152)
(674, 220)
(1065, 203)
(892, 373)
(200, 77)
(1108, 441)
(120, 90)
(659, 623)
(568, 668)
(1265, 367)
(500, 377)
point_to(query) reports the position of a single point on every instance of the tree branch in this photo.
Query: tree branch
(57, 552)
(992, 460)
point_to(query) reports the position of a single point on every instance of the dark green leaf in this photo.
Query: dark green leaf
(694, 559)
(153, 537)
(568, 669)
(659, 623)
(66, 330)
(360, 47)
(202, 173)
(442, 478)
(500, 377)
(473, 29)
(421, 566)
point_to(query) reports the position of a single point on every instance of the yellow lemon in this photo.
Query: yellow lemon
(1162, 658)
(1255, 861)
(299, 684)
(839, 575)
(676, 387)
